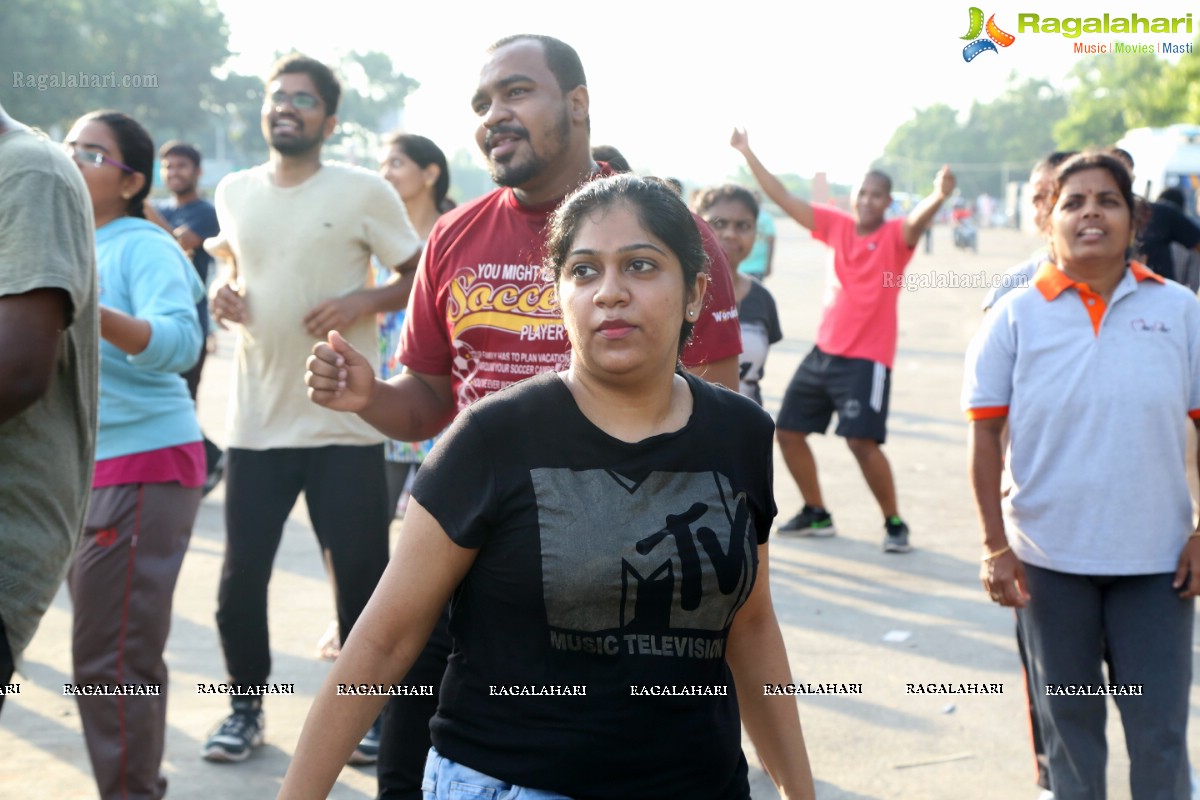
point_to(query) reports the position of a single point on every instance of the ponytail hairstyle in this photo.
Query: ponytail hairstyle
(423, 152)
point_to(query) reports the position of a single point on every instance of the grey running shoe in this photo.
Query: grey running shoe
(811, 521)
(895, 538)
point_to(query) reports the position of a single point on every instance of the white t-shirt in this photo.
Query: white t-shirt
(297, 247)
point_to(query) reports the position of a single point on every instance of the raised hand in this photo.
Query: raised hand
(740, 140)
(945, 182)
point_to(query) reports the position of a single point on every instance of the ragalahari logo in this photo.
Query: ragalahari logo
(995, 36)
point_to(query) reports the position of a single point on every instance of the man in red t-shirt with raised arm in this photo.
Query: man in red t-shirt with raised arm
(849, 369)
(482, 316)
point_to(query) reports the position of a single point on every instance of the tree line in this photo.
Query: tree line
(991, 143)
(163, 64)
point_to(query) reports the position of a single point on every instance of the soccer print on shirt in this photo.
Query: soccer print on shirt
(505, 326)
(661, 570)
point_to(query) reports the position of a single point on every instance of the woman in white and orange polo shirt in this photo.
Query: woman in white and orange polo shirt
(1096, 370)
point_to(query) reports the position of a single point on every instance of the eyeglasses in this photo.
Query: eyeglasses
(93, 158)
(301, 101)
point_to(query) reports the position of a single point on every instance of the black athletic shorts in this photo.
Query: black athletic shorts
(856, 388)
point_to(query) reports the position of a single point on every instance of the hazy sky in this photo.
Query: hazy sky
(819, 84)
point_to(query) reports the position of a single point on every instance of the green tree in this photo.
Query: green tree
(1010, 134)
(796, 184)
(171, 54)
(374, 90)
(1112, 95)
(234, 109)
(993, 143)
(152, 61)
(37, 38)
(933, 136)
(1018, 126)
(373, 94)
(1182, 85)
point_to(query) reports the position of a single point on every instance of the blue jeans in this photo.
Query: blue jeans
(449, 780)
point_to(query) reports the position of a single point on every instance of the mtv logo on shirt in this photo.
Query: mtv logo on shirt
(662, 571)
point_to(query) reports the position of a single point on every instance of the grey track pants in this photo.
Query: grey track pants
(122, 580)
(1073, 623)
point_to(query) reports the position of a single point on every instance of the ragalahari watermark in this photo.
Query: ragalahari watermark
(913, 281)
(44, 81)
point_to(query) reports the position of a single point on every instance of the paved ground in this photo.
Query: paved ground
(838, 600)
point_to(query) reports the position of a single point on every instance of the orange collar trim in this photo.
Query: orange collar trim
(1052, 281)
(1141, 272)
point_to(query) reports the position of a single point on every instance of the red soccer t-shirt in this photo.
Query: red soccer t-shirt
(481, 311)
(863, 289)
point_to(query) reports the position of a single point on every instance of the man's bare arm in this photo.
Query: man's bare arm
(30, 327)
(408, 408)
(152, 215)
(225, 299)
(770, 259)
(394, 294)
(412, 406)
(921, 217)
(796, 208)
(339, 313)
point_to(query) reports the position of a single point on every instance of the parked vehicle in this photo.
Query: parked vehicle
(1165, 158)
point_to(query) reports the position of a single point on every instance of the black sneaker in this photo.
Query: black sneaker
(367, 751)
(238, 734)
(895, 539)
(811, 521)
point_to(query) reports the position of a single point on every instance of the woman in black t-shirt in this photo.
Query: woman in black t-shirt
(600, 534)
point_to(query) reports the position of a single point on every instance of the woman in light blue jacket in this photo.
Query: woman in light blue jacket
(150, 463)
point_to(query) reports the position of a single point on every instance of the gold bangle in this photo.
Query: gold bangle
(999, 552)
